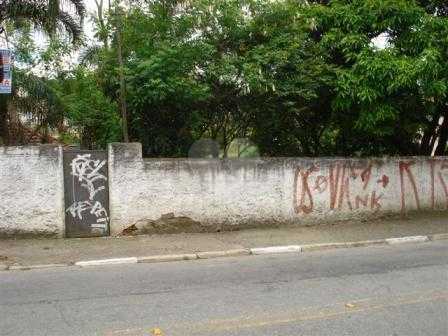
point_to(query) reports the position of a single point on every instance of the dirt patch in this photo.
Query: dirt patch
(168, 223)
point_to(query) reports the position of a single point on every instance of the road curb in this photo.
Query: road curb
(233, 253)
(31, 267)
(276, 249)
(330, 246)
(220, 254)
(406, 240)
(166, 258)
(440, 236)
(115, 261)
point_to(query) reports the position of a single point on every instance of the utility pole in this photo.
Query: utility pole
(123, 103)
(5, 92)
(100, 16)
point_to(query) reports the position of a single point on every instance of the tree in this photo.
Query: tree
(293, 88)
(163, 90)
(435, 7)
(386, 98)
(47, 15)
(91, 116)
(119, 37)
(24, 16)
(313, 78)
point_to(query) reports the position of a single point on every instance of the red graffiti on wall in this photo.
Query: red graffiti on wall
(305, 196)
(439, 177)
(405, 170)
(337, 182)
(354, 185)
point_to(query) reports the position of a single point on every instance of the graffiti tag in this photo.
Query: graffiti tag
(87, 172)
(347, 185)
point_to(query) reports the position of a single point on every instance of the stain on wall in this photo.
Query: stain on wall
(270, 191)
(32, 191)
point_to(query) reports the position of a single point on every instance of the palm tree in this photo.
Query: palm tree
(31, 95)
(48, 15)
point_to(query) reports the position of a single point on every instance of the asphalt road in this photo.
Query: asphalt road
(399, 290)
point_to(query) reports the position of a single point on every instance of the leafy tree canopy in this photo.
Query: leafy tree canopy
(295, 78)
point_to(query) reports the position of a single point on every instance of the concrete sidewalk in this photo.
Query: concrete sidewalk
(63, 251)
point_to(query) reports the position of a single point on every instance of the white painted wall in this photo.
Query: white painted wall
(217, 193)
(31, 191)
(268, 191)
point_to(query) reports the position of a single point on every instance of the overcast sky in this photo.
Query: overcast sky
(91, 7)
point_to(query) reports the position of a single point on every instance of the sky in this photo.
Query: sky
(88, 28)
(91, 7)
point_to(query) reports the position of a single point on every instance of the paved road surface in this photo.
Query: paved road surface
(400, 290)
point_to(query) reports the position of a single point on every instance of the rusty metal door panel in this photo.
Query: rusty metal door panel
(86, 193)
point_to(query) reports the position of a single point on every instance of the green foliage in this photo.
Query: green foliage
(33, 101)
(384, 98)
(89, 113)
(297, 78)
(47, 15)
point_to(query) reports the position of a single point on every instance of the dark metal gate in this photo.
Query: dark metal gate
(86, 193)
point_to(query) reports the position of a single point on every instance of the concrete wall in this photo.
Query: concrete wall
(172, 194)
(31, 191)
(245, 193)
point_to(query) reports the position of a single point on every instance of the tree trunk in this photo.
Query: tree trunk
(100, 17)
(225, 145)
(122, 79)
(443, 136)
(430, 133)
(4, 129)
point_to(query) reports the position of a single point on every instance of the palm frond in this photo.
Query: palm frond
(90, 55)
(35, 100)
(46, 14)
(79, 6)
(68, 23)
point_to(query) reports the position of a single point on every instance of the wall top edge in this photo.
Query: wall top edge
(304, 158)
(133, 150)
(47, 150)
(276, 163)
